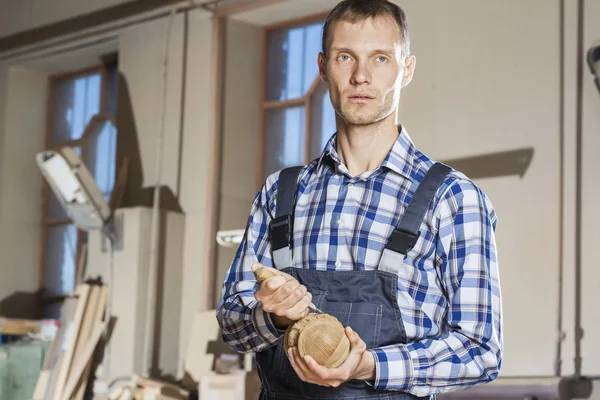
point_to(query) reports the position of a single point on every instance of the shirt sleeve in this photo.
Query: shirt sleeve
(245, 326)
(470, 350)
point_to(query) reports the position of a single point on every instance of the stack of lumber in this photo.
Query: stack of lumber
(148, 389)
(72, 358)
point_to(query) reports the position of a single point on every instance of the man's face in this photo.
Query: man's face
(365, 69)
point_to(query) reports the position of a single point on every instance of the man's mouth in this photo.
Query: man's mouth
(360, 98)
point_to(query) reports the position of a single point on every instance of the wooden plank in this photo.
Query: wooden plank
(88, 323)
(86, 355)
(69, 345)
(98, 317)
(42, 385)
(81, 264)
(55, 355)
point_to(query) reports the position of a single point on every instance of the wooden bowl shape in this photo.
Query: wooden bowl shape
(320, 336)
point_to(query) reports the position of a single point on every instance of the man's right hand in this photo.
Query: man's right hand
(284, 297)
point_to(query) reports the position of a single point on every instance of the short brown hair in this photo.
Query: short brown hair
(359, 10)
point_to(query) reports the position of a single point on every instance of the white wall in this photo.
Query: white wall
(480, 87)
(141, 50)
(591, 194)
(23, 128)
(240, 133)
(3, 100)
(197, 183)
(23, 15)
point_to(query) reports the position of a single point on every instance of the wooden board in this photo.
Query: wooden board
(70, 339)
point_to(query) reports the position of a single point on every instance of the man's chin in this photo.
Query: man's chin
(357, 119)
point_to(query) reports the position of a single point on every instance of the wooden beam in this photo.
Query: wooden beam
(269, 105)
(237, 8)
(261, 117)
(86, 21)
(290, 23)
(307, 124)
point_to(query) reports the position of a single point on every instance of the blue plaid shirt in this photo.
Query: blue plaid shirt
(449, 297)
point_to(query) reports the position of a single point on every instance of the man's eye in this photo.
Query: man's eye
(382, 59)
(344, 58)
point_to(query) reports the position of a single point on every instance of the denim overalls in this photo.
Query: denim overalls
(365, 300)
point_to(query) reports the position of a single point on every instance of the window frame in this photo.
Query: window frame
(46, 221)
(275, 104)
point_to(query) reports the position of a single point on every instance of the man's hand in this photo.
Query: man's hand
(284, 297)
(359, 365)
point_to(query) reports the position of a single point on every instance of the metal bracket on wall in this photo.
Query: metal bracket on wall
(114, 228)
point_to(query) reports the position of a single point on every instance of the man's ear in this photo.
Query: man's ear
(322, 69)
(409, 70)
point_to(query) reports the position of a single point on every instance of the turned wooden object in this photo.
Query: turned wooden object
(320, 336)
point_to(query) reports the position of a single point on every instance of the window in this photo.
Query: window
(76, 102)
(297, 115)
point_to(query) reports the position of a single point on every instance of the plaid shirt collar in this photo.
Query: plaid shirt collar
(399, 159)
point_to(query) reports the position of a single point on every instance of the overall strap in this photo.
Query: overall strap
(407, 232)
(281, 227)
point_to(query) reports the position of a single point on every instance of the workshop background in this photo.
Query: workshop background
(180, 109)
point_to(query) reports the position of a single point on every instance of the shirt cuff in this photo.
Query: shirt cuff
(393, 368)
(265, 328)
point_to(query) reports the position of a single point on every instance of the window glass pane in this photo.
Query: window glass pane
(311, 54)
(284, 139)
(61, 248)
(75, 101)
(100, 155)
(322, 120)
(292, 61)
(55, 209)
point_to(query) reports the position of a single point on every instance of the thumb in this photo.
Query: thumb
(256, 266)
(355, 341)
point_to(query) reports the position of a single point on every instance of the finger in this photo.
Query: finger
(295, 293)
(295, 365)
(299, 310)
(288, 294)
(272, 302)
(308, 375)
(329, 376)
(270, 286)
(356, 343)
(267, 288)
(317, 369)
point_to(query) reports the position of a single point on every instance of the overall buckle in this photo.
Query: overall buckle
(403, 241)
(280, 232)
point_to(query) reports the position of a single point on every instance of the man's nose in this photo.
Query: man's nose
(362, 73)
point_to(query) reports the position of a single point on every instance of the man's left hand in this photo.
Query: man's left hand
(359, 365)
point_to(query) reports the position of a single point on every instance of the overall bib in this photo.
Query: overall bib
(365, 300)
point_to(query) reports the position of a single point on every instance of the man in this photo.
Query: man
(399, 248)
